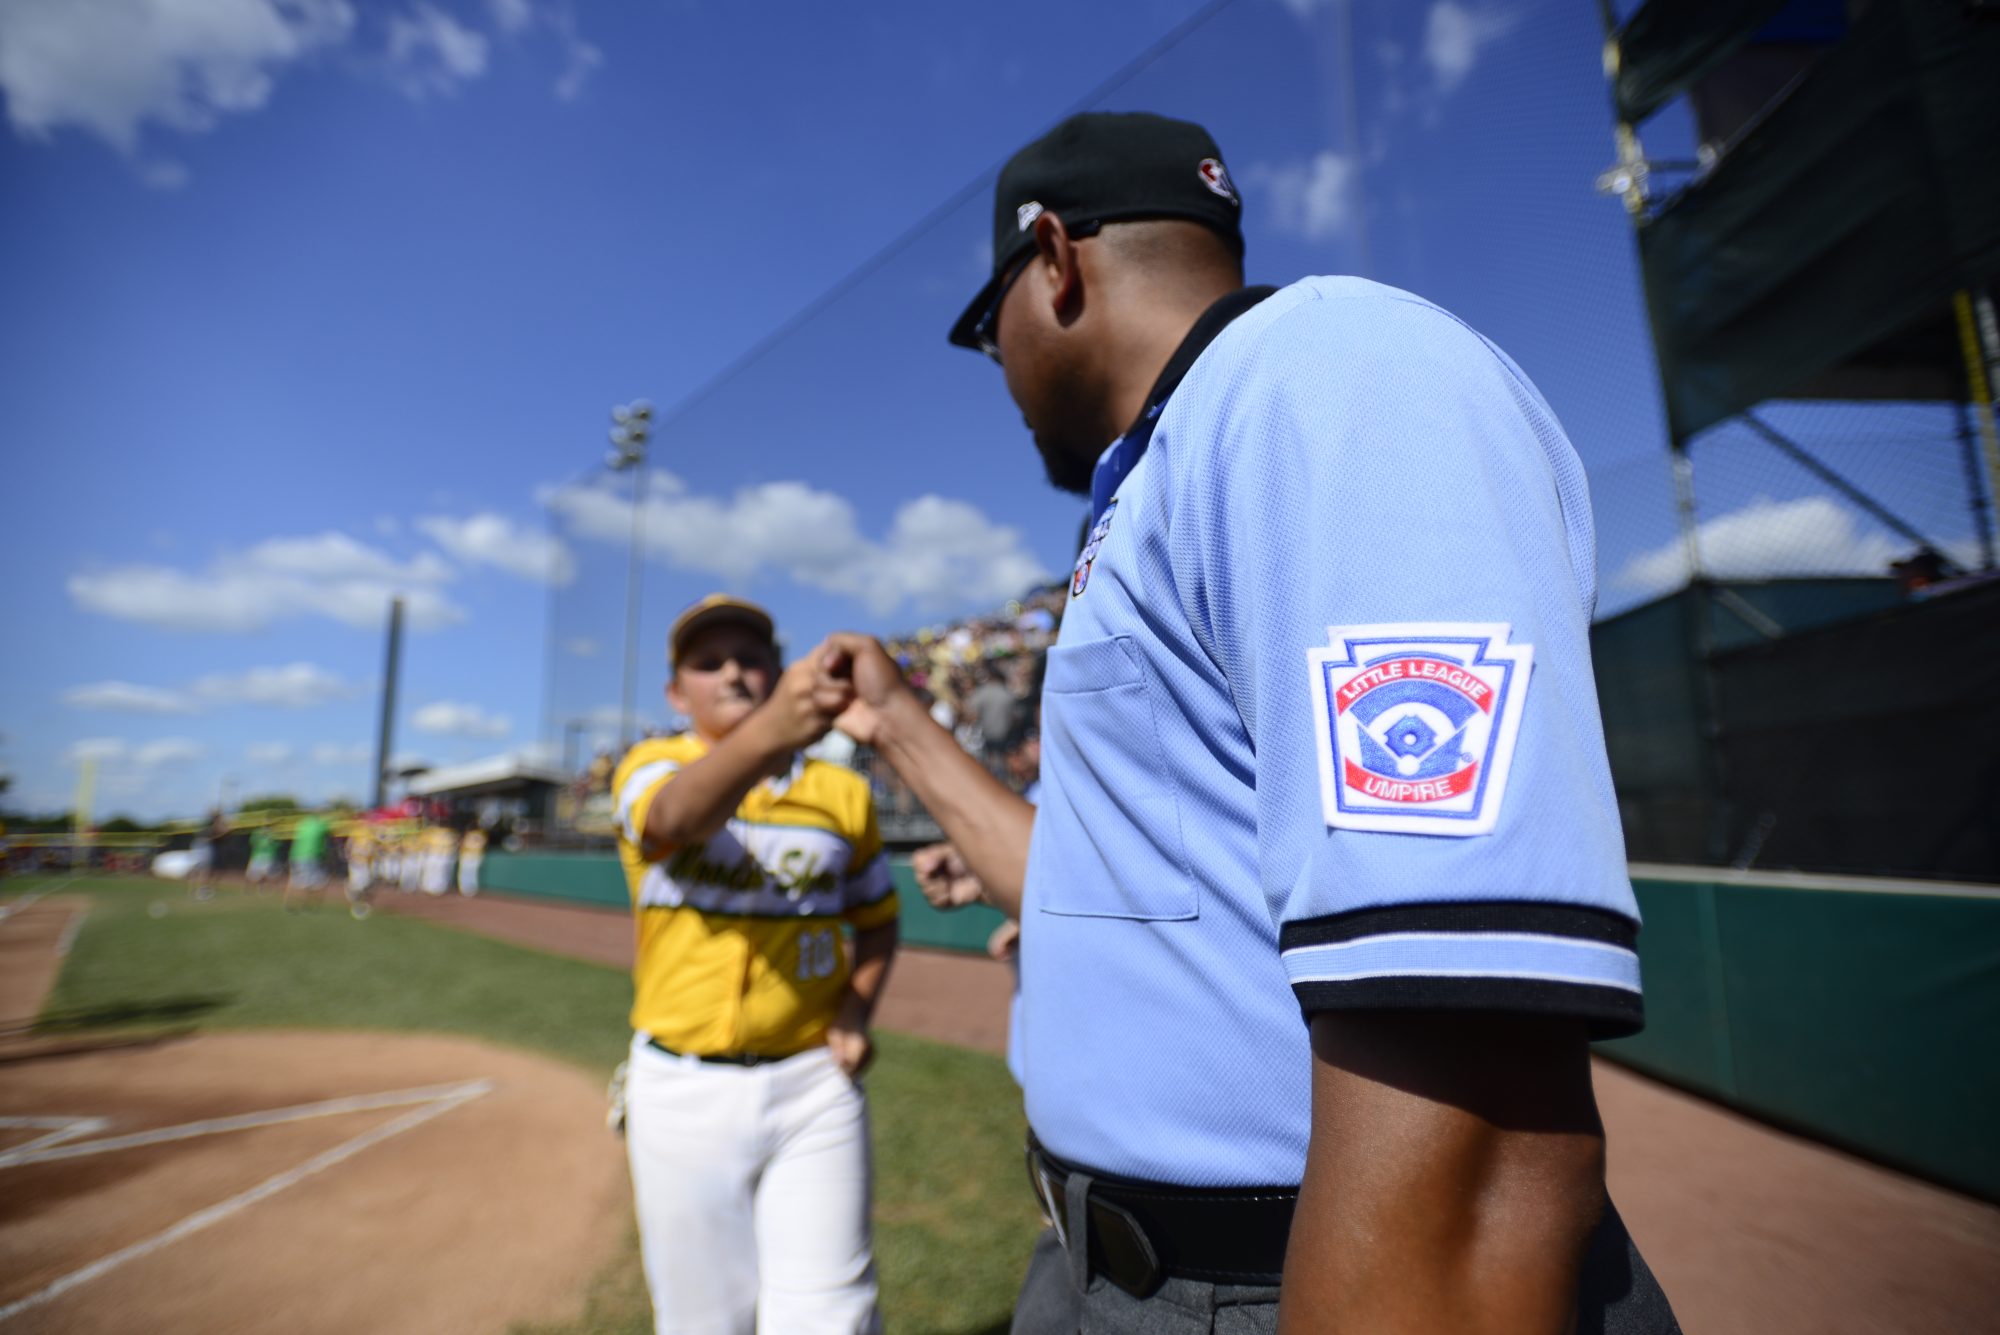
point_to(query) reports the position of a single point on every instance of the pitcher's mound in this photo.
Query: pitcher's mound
(303, 1182)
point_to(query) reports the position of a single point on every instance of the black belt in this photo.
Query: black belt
(1141, 1233)
(721, 1058)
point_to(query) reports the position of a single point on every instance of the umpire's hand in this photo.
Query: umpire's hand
(860, 665)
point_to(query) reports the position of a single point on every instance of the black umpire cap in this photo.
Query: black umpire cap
(1102, 167)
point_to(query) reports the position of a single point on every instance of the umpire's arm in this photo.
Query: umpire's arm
(1455, 1173)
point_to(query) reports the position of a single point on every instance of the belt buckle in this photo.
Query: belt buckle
(1043, 1180)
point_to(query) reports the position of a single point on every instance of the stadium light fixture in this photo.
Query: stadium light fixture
(631, 429)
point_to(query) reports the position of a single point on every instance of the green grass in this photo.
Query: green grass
(954, 1217)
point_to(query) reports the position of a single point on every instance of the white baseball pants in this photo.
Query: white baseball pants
(752, 1186)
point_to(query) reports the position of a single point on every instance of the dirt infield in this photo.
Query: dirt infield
(1750, 1230)
(304, 1182)
(35, 932)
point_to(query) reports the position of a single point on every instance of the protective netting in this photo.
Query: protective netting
(1449, 148)
(1806, 489)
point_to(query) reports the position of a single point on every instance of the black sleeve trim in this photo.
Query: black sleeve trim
(1541, 918)
(1611, 1012)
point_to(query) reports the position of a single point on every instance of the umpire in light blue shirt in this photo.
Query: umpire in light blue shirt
(1326, 894)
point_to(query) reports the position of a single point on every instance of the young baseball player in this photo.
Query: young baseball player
(440, 850)
(748, 864)
(471, 852)
(360, 860)
(411, 873)
(263, 857)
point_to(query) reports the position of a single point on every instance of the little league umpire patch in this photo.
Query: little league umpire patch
(1417, 723)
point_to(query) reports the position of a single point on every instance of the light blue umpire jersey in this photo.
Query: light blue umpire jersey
(1319, 732)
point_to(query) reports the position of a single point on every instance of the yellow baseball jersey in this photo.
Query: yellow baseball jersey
(739, 946)
(474, 841)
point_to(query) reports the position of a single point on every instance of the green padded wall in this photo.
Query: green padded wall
(586, 878)
(958, 929)
(1869, 1018)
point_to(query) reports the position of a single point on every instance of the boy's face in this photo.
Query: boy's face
(725, 672)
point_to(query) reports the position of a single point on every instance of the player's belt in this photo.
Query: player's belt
(720, 1058)
(1139, 1234)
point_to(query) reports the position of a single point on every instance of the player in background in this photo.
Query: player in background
(748, 863)
(471, 852)
(263, 857)
(308, 878)
(440, 850)
(360, 862)
(410, 874)
(207, 848)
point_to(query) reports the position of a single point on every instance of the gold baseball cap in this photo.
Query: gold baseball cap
(713, 610)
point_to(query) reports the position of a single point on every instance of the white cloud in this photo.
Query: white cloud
(269, 753)
(580, 58)
(1767, 539)
(127, 697)
(293, 686)
(1312, 199)
(450, 718)
(164, 174)
(168, 752)
(342, 753)
(329, 575)
(1454, 36)
(495, 540)
(103, 750)
(937, 553)
(432, 52)
(582, 647)
(111, 66)
(511, 15)
(580, 61)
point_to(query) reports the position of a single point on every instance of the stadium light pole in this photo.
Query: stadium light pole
(631, 427)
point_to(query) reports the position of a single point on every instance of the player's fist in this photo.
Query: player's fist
(806, 701)
(944, 878)
(877, 683)
(847, 1038)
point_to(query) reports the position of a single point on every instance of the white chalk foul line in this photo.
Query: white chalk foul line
(14, 906)
(69, 931)
(394, 1098)
(59, 1129)
(451, 1097)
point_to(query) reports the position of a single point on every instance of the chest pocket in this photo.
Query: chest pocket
(1114, 849)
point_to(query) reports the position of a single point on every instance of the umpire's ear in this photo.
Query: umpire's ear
(1056, 264)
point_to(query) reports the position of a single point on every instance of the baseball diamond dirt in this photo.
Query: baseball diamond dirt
(277, 1180)
(1750, 1230)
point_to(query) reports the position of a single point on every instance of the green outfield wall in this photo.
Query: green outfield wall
(581, 878)
(1861, 1012)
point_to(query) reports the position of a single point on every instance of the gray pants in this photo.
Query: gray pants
(1618, 1296)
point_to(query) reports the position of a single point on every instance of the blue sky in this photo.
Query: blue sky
(315, 301)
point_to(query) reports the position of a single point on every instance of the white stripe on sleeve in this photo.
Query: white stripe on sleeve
(635, 788)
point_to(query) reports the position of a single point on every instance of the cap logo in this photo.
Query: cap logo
(1216, 177)
(1024, 217)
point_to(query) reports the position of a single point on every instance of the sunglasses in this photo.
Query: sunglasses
(986, 333)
